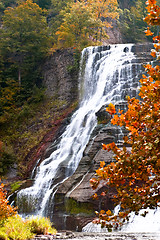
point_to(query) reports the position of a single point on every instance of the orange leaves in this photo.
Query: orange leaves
(109, 213)
(5, 209)
(118, 120)
(94, 183)
(148, 32)
(151, 2)
(114, 120)
(111, 109)
(153, 53)
(104, 146)
(102, 164)
(109, 147)
(153, 17)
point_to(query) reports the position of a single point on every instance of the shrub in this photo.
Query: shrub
(5, 209)
(16, 228)
(3, 235)
(15, 186)
(40, 225)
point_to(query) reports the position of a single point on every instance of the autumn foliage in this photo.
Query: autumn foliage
(5, 209)
(136, 172)
(85, 23)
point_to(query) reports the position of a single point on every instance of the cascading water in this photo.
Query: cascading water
(106, 75)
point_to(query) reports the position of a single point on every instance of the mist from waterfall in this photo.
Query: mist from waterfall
(105, 76)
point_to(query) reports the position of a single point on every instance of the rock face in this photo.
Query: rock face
(73, 205)
(73, 198)
(60, 75)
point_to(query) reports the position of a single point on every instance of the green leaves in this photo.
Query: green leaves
(24, 36)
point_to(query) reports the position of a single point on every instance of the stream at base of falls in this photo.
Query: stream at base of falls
(67, 235)
(108, 236)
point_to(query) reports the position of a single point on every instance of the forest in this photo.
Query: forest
(32, 31)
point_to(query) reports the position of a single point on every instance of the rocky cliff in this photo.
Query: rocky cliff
(60, 73)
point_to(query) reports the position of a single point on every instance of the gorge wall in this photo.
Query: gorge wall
(60, 73)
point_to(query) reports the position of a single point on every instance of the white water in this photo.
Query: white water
(137, 223)
(105, 78)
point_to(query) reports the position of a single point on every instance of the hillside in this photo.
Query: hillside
(39, 82)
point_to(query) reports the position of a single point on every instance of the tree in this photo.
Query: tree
(43, 3)
(5, 209)
(8, 91)
(136, 173)
(131, 22)
(55, 16)
(77, 27)
(24, 36)
(85, 22)
(104, 11)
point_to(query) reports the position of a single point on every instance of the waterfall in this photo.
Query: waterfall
(106, 75)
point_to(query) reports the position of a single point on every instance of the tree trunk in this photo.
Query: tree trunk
(19, 77)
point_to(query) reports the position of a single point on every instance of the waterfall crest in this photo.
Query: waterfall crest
(105, 76)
